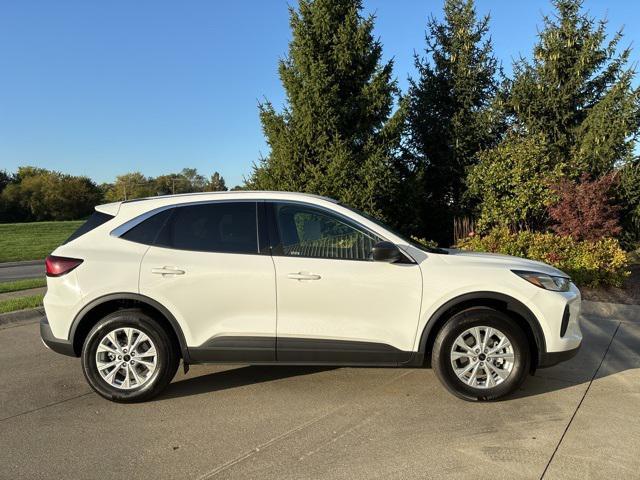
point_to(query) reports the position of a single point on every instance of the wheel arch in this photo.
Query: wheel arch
(519, 312)
(92, 312)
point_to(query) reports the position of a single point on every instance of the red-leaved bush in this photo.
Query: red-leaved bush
(584, 209)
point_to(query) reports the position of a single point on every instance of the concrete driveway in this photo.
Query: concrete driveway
(577, 420)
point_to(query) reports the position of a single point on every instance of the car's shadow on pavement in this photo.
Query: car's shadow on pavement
(598, 342)
(236, 377)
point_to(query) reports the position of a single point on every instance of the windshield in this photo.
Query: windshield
(415, 243)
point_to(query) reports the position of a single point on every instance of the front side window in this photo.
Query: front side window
(225, 227)
(306, 231)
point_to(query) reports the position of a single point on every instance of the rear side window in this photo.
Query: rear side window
(226, 227)
(94, 221)
(147, 231)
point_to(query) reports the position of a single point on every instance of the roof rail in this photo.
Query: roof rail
(312, 195)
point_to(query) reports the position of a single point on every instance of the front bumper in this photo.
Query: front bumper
(58, 345)
(549, 359)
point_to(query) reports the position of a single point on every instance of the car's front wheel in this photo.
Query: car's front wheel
(128, 357)
(481, 354)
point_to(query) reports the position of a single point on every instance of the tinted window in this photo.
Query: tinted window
(147, 231)
(94, 221)
(310, 232)
(212, 227)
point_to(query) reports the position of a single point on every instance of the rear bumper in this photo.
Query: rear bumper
(549, 359)
(58, 345)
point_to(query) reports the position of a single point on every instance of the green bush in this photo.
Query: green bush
(589, 263)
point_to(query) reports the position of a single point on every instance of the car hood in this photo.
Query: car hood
(461, 257)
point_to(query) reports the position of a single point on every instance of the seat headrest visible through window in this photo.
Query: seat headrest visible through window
(312, 230)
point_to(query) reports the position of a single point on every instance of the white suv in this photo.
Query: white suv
(287, 278)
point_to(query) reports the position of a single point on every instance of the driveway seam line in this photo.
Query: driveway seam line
(43, 407)
(230, 463)
(584, 395)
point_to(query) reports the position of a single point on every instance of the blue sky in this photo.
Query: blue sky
(102, 88)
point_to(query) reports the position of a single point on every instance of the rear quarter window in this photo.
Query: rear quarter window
(94, 221)
(147, 231)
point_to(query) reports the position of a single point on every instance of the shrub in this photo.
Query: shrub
(511, 183)
(584, 210)
(589, 263)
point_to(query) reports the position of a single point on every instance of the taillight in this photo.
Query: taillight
(57, 266)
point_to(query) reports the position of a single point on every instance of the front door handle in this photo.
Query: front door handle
(167, 271)
(304, 276)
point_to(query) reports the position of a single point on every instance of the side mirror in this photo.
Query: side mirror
(386, 252)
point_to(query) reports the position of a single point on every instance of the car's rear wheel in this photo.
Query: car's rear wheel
(128, 357)
(481, 354)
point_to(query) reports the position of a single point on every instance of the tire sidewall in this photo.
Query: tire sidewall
(473, 318)
(122, 320)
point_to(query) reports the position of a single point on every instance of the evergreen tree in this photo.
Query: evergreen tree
(336, 136)
(451, 113)
(575, 97)
(216, 183)
(577, 92)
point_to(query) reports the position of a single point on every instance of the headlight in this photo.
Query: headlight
(548, 282)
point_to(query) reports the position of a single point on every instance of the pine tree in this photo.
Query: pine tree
(452, 113)
(216, 183)
(576, 101)
(336, 136)
(577, 92)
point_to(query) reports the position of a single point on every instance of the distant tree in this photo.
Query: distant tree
(584, 209)
(5, 179)
(577, 92)
(452, 113)
(169, 184)
(69, 197)
(216, 183)
(195, 182)
(336, 136)
(39, 194)
(130, 185)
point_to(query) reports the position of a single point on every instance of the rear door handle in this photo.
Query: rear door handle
(304, 276)
(166, 271)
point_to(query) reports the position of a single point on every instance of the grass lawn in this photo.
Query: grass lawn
(25, 284)
(20, 303)
(33, 241)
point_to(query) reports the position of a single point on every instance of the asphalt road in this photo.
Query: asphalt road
(19, 270)
(577, 420)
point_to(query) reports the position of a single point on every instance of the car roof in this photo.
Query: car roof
(233, 193)
(139, 205)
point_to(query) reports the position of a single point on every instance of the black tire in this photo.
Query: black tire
(474, 317)
(167, 361)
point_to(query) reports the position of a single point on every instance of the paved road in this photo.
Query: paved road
(18, 270)
(578, 420)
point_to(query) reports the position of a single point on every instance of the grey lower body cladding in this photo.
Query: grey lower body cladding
(297, 351)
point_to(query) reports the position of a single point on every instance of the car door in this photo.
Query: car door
(335, 304)
(207, 268)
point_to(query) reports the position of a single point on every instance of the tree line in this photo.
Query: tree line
(465, 141)
(37, 194)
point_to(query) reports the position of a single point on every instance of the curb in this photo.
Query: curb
(21, 264)
(619, 311)
(21, 315)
